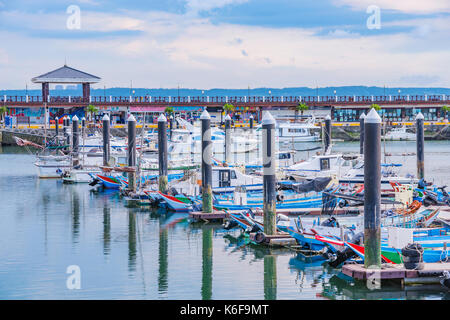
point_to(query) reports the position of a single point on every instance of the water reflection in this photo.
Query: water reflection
(163, 260)
(341, 286)
(270, 277)
(106, 229)
(75, 215)
(131, 242)
(241, 268)
(207, 263)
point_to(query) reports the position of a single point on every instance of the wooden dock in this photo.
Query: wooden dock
(430, 274)
(310, 211)
(278, 240)
(202, 216)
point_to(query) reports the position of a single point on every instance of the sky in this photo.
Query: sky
(208, 44)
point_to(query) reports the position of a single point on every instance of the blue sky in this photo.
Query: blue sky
(229, 43)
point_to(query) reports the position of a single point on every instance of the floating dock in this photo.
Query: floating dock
(278, 240)
(430, 274)
(202, 216)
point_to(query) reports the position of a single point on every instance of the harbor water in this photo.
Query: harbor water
(128, 253)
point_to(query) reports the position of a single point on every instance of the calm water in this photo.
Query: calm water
(126, 253)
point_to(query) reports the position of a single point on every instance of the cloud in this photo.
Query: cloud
(196, 6)
(406, 6)
(421, 79)
(338, 33)
(157, 48)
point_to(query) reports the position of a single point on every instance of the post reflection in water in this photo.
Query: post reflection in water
(131, 241)
(207, 263)
(106, 229)
(270, 277)
(163, 260)
(75, 216)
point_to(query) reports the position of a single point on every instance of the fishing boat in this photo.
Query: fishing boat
(52, 166)
(305, 233)
(324, 165)
(188, 141)
(399, 134)
(108, 182)
(224, 179)
(83, 175)
(294, 131)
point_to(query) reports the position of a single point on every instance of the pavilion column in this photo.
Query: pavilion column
(86, 91)
(45, 91)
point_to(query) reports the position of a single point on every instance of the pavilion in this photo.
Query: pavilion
(65, 75)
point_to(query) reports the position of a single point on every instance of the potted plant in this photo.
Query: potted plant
(3, 112)
(446, 109)
(300, 107)
(91, 110)
(228, 107)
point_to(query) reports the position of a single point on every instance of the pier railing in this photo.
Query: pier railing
(221, 100)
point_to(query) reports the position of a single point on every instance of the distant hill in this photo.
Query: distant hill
(297, 91)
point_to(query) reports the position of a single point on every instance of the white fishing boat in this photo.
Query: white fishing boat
(79, 175)
(52, 166)
(224, 179)
(189, 141)
(295, 131)
(326, 165)
(399, 134)
(389, 173)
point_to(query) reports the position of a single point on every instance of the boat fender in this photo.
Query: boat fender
(260, 237)
(343, 203)
(412, 256)
(280, 197)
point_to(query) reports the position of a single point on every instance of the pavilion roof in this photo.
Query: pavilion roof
(66, 74)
